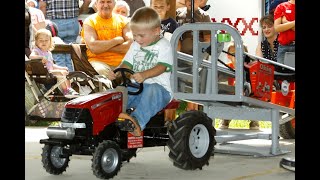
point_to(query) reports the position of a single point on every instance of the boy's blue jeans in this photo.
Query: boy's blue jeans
(148, 103)
(68, 31)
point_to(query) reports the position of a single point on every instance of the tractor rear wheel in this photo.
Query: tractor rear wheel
(191, 140)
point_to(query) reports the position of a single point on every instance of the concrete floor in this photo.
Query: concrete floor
(154, 163)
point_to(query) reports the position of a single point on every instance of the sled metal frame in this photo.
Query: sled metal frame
(225, 106)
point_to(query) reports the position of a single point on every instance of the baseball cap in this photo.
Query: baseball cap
(34, 2)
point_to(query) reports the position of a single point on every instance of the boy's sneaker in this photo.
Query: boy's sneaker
(254, 125)
(224, 124)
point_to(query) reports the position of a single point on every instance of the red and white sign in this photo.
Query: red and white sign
(135, 142)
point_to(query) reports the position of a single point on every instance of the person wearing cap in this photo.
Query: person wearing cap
(37, 16)
(32, 3)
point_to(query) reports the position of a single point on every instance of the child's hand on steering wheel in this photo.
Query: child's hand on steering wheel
(138, 77)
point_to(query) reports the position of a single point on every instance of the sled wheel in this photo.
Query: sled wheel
(288, 163)
(106, 161)
(191, 140)
(53, 160)
(288, 129)
(127, 154)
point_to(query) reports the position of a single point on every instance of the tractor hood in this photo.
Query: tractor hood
(92, 101)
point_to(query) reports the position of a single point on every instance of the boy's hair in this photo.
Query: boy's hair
(45, 32)
(268, 19)
(167, 1)
(145, 17)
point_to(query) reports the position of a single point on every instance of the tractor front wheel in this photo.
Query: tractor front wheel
(107, 160)
(53, 159)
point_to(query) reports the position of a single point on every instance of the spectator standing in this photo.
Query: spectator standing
(28, 31)
(65, 15)
(184, 16)
(38, 19)
(168, 24)
(134, 5)
(107, 36)
(150, 57)
(284, 24)
(268, 47)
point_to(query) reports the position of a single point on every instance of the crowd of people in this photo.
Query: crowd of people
(127, 33)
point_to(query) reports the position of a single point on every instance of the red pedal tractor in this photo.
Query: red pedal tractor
(90, 126)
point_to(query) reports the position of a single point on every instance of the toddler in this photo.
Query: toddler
(43, 46)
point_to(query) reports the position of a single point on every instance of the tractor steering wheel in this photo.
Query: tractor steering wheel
(126, 81)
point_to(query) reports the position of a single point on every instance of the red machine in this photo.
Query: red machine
(261, 78)
(277, 88)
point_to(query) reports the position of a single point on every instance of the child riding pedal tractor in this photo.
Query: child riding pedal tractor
(90, 126)
(111, 125)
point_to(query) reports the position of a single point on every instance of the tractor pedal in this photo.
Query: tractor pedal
(125, 125)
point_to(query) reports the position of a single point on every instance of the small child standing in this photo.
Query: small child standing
(151, 58)
(168, 24)
(224, 124)
(43, 46)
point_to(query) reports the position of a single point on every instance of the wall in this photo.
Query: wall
(244, 15)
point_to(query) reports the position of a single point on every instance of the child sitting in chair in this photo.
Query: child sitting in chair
(43, 46)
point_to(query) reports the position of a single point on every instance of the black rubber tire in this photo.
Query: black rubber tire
(51, 162)
(288, 163)
(181, 132)
(287, 130)
(127, 154)
(106, 152)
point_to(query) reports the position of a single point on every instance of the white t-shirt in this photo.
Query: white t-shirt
(144, 58)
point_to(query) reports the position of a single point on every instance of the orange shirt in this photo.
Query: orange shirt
(106, 29)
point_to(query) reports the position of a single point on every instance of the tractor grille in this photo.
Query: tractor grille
(74, 115)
